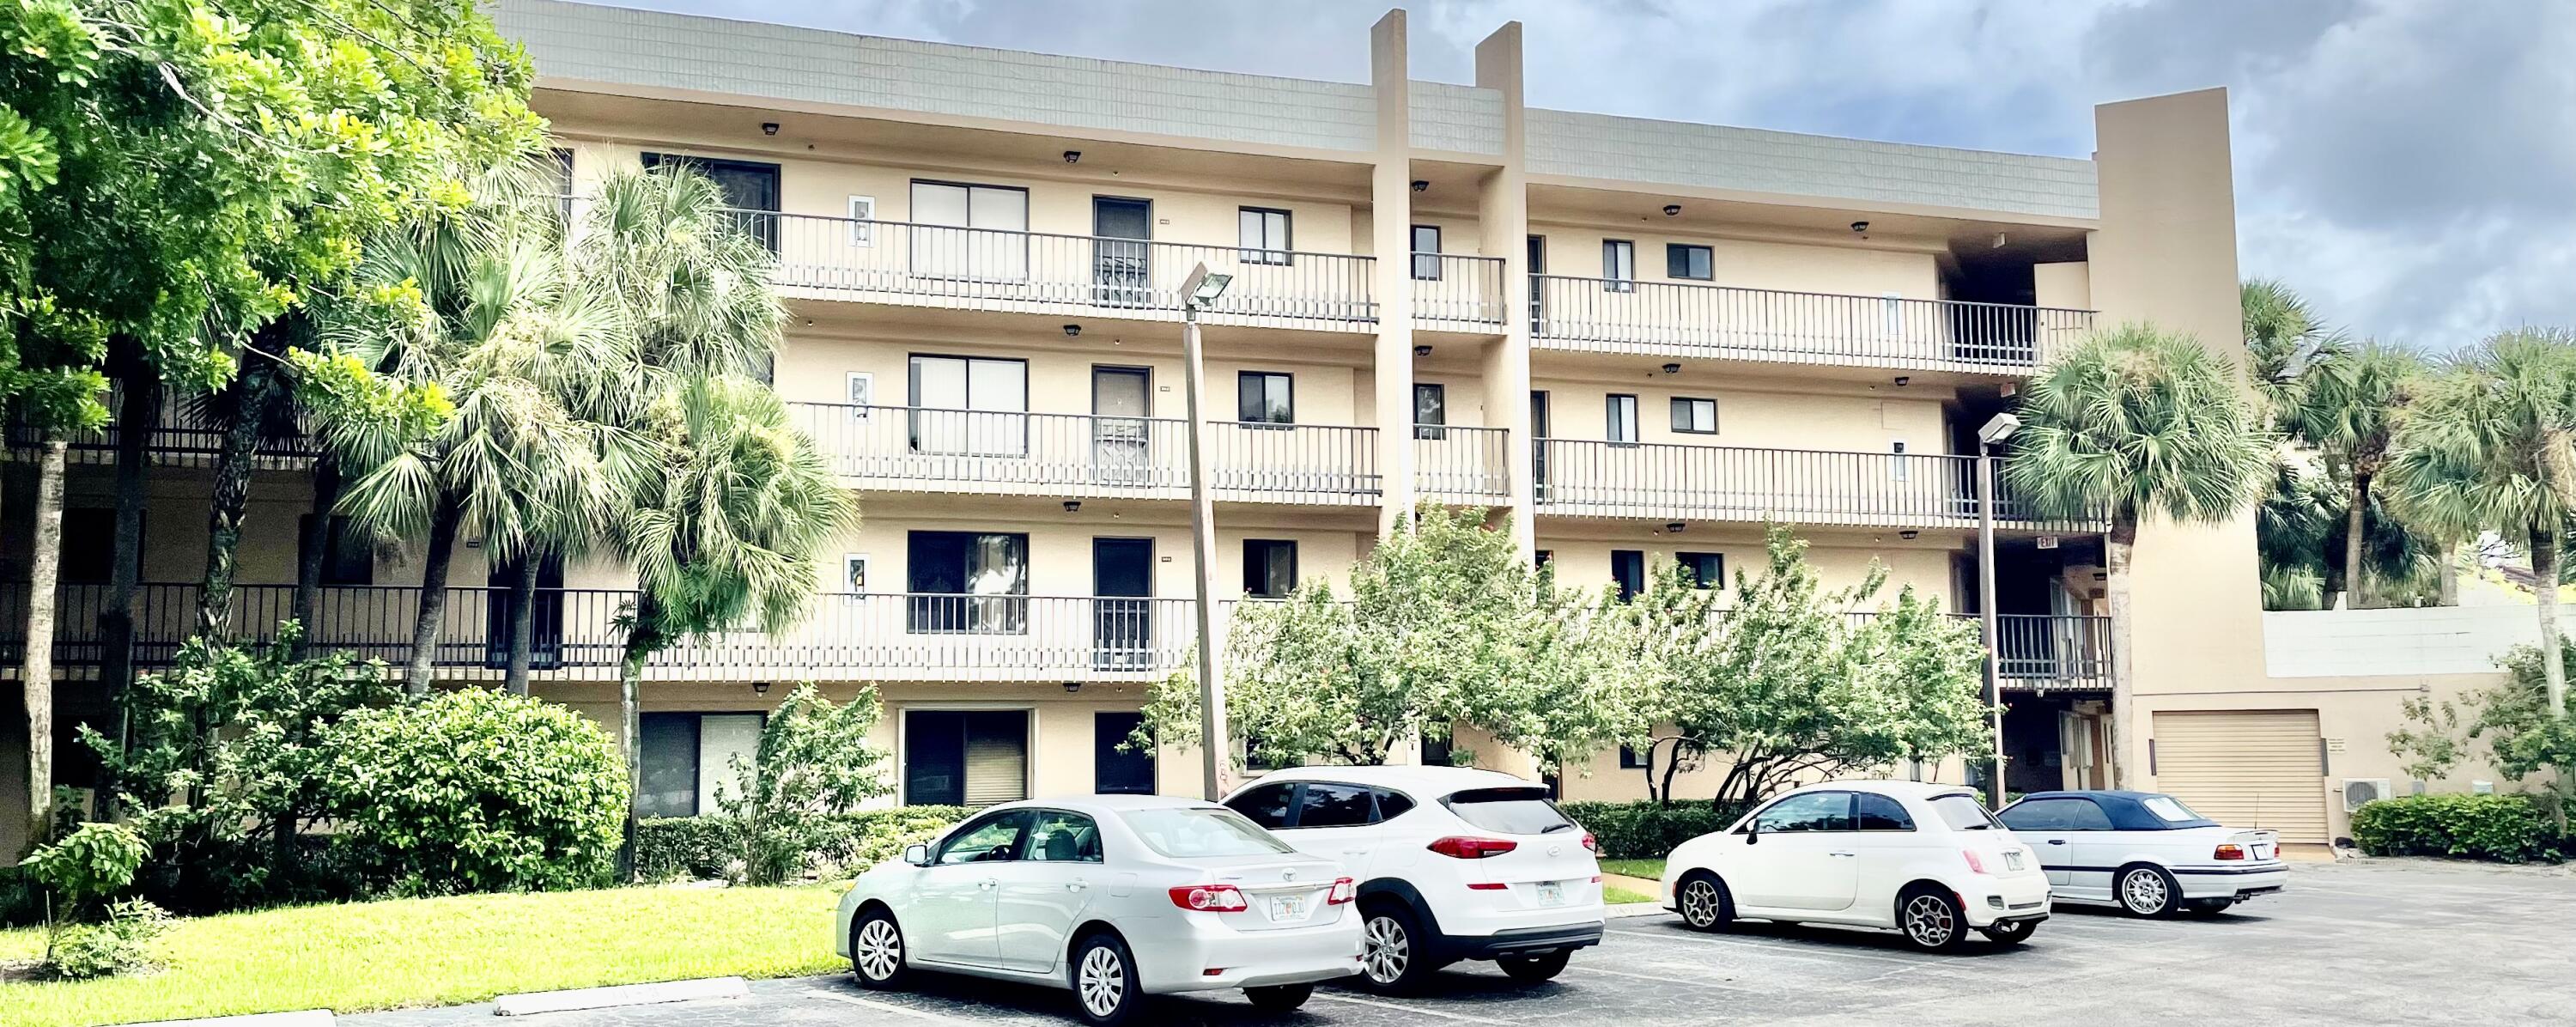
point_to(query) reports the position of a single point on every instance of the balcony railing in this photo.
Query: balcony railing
(180, 438)
(2053, 650)
(1457, 291)
(922, 449)
(1665, 480)
(1685, 319)
(1037, 272)
(1461, 464)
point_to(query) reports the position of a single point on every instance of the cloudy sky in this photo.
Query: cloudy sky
(2408, 166)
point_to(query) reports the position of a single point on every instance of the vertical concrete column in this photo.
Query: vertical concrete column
(1391, 240)
(1504, 232)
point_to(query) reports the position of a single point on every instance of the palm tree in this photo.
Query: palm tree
(2137, 423)
(2487, 446)
(2284, 342)
(2349, 411)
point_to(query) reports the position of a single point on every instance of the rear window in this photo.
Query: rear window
(1199, 832)
(2168, 808)
(1963, 812)
(1509, 810)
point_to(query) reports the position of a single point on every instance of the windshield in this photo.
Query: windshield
(2168, 808)
(1509, 810)
(1198, 832)
(1963, 812)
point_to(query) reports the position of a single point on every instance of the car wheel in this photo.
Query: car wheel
(1104, 980)
(1279, 998)
(876, 950)
(2207, 907)
(1703, 901)
(1533, 969)
(1931, 920)
(2010, 932)
(1392, 955)
(2148, 891)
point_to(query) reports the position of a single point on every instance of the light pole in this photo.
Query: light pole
(1201, 288)
(1993, 434)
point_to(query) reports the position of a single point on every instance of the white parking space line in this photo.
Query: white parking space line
(887, 1007)
(1403, 1008)
(1692, 982)
(1770, 946)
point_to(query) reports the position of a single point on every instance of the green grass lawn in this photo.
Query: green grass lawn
(1615, 896)
(1650, 869)
(417, 952)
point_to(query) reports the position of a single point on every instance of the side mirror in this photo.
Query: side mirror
(1752, 831)
(917, 855)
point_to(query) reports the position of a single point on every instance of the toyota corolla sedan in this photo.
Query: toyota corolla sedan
(1112, 897)
(1925, 860)
(2144, 852)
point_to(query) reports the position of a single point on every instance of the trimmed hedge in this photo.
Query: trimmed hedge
(704, 848)
(2510, 828)
(1647, 830)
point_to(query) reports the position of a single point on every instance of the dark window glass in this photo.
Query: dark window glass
(1323, 805)
(1436, 753)
(1618, 265)
(1707, 570)
(1880, 813)
(993, 839)
(2055, 815)
(1115, 768)
(1508, 810)
(1426, 252)
(1264, 397)
(88, 551)
(1631, 759)
(1810, 811)
(1391, 803)
(1061, 837)
(1430, 410)
(1266, 805)
(749, 187)
(1628, 568)
(967, 581)
(1619, 416)
(670, 756)
(346, 557)
(1695, 416)
(1269, 568)
(1682, 260)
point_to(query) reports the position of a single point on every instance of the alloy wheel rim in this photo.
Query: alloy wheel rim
(1699, 903)
(880, 950)
(2144, 890)
(1103, 982)
(1389, 951)
(1927, 920)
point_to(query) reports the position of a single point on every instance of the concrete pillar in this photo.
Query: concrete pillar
(1390, 233)
(1504, 233)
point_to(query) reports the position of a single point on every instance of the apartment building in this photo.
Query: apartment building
(1641, 339)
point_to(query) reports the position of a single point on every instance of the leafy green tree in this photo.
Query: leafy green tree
(814, 764)
(1578, 682)
(2523, 738)
(2350, 412)
(2137, 423)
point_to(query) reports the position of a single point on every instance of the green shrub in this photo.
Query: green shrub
(706, 847)
(122, 943)
(476, 790)
(1647, 830)
(2511, 828)
(813, 763)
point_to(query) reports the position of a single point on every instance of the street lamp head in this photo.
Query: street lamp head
(1203, 286)
(1997, 430)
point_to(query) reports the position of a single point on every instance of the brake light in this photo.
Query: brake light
(1463, 847)
(1487, 886)
(1210, 898)
(1976, 864)
(1589, 845)
(1344, 890)
(2229, 852)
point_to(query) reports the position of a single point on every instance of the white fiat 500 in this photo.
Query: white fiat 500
(2144, 852)
(1113, 897)
(1926, 860)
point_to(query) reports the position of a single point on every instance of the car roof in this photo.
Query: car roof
(1416, 778)
(1110, 803)
(2095, 793)
(1900, 789)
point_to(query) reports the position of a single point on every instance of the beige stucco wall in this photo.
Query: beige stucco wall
(1329, 389)
(1749, 256)
(1755, 412)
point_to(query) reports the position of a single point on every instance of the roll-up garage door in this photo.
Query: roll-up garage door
(2246, 769)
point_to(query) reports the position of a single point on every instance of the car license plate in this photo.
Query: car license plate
(1291, 907)
(2262, 852)
(2012, 861)
(1551, 893)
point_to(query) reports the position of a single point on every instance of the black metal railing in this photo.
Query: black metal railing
(1667, 480)
(1688, 319)
(178, 438)
(1462, 290)
(2053, 650)
(926, 449)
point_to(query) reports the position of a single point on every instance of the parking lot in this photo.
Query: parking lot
(2372, 943)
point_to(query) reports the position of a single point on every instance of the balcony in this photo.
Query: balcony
(1459, 294)
(1681, 319)
(918, 449)
(900, 263)
(1461, 465)
(179, 440)
(2046, 651)
(1665, 481)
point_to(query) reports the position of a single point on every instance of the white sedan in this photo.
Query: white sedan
(2144, 852)
(1113, 897)
(1926, 860)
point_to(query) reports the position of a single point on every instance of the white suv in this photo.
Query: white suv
(1453, 864)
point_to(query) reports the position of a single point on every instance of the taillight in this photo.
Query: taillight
(1463, 847)
(1976, 864)
(1344, 890)
(2229, 852)
(1210, 898)
(1487, 886)
(1590, 845)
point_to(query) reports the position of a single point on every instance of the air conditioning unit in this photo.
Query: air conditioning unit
(2359, 790)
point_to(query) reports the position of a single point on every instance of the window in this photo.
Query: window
(1963, 812)
(563, 180)
(1879, 813)
(1509, 810)
(2056, 815)
(994, 839)
(2168, 808)
(970, 231)
(965, 581)
(1265, 235)
(1265, 397)
(1694, 416)
(1269, 568)
(969, 406)
(1618, 265)
(1060, 837)
(1631, 759)
(1898, 467)
(1683, 260)
(1430, 411)
(749, 187)
(1323, 805)
(1436, 752)
(688, 759)
(346, 560)
(1619, 417)
(1543, 558)
(1391, 803)
(1197, 832)
(1267, 805)
(1628, 568)
(1116, 768)
(1809, 811)
(965, 757)
(863, 217)
(1707, 570)
(89, 547)
(1426, 253)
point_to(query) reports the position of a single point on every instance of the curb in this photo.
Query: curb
(619, 995)
(300, 1018)
(1632, 909)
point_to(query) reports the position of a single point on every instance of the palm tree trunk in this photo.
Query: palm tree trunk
(2117, 548)
(642, 639)
(2355, 596)
(523, 622)
(233, 467)
(2544, 568)
(138, 413)
(433, 595)
(314, 548)
(2448, 575)
(36, 673)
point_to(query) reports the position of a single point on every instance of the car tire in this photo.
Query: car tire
(1534, 969)
(1103, 976)
(1279, 998)
(1703, 901)
(1395, 956)
(877, 954)
(2010, 932)
(1931, 920)
(2205, 908)
(2146, 890)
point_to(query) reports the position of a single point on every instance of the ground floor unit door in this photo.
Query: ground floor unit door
(965, 757)
(2246, 768)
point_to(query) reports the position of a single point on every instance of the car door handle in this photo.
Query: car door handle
(1844, 855)
(2057, 841)
(987, 884)
(1075, 885)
